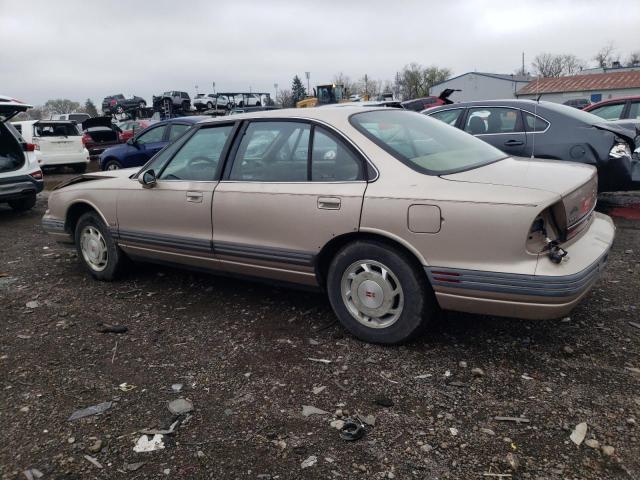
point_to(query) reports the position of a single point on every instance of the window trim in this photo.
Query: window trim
(455, 124)
(347, 143)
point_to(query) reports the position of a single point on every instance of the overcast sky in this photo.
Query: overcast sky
(80, 49)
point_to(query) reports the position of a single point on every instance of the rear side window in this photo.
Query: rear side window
(11, 154)
(332, 161)
(634, 110)
(424, 144)
(609, 112)
(450, 117)
(42, 129)
(177, 130)
(481, 121)
(534, 124)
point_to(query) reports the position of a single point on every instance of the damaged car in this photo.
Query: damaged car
(98, 134)
(419, 104)
(393, 214)
(547, 130)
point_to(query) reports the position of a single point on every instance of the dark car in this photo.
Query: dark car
(616, 108)
(139, 149)
(98, 134)
(419, 104)
(119, 104)
(579, 103)
(547, 130)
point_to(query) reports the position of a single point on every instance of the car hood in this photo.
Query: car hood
(552, 176)
(96, 122)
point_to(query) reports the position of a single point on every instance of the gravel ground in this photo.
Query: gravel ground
(243, 355)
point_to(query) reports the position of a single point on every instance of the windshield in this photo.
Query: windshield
(424, 144)
(580, 115)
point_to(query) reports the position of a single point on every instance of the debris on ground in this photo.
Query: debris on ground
(92, 460)
(32, 474)
(180, 406)
(147, 443)
(608, 450)
(95, 447)
(309, 462)
(132, 467)
(176, 387)
(578, 434)
(308, 410)
(319, 360)
(512, 419)
(352, 429)
(107, 328)
(32, 304)
(317, 390)
(93, 410)
(126, 387)
(383, 401)
(161, 431)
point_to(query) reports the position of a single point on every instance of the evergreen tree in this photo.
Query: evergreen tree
(298, 92)
(90, 108)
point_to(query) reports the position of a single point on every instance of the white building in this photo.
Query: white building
(595, 87)
(481, 86)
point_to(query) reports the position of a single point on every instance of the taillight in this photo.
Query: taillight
(31, 147)
(37, 174)
(113, 102)
(86, 138)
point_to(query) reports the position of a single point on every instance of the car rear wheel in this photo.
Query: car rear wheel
(209, 105)
(185, 106)
(96, 249)
(113, 165)
(378, 294)
(23, 204)
(119, 109)
(142, 104)
(79, 168)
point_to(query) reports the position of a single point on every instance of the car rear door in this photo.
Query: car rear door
(281, 201)
(499, 126)
(150, 142)
(171, 219)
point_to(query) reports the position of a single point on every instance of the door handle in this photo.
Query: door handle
(329, 203)
(513, 143)
(195, 197)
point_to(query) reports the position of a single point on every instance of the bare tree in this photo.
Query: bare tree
(571, 65)
(285, 99)
(61, 105)
(633, 60)
(606, 56)
(416, 80)
(344, 80)
(552, 65)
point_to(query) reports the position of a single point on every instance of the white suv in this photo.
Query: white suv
(59, 142)
(20, 176)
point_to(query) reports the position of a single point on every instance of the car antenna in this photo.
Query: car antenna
(535, 118)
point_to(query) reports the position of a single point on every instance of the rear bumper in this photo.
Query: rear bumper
(552, 293)
(20, 186)
(51, 159)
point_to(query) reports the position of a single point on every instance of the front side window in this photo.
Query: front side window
(634, 110)
(152, 136)
(177, 130)
(199, 157)
(609, 112)
(424, 144)
(450, 117)
(481, 121)
(272, 152)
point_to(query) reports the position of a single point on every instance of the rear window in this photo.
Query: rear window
(11, 155)
(79, 117)
(42, 129)
(424, 144)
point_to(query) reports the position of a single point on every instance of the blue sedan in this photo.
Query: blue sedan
(139, 149)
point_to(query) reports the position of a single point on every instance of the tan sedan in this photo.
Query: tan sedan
(394, 214)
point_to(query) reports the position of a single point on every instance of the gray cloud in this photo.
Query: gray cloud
(80, 49)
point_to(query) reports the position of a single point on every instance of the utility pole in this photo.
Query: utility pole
(308, 75)
(275, 86)
(523, 72)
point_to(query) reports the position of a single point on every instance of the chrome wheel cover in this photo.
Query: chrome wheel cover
(372, 294)
(94, 248)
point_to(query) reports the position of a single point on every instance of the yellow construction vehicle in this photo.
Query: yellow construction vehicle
(324, 95)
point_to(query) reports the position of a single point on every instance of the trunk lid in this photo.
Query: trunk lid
(97, 122)
(10, 107)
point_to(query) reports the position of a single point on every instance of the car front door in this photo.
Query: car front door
(147, 144)
(500, 126)
(288, 189)
(170, 219)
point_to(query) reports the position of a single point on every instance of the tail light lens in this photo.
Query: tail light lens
(31, 147)
(113, 102)
(86, 138)
(37, 174)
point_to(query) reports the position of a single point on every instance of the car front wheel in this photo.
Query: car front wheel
(112, 165)
(23, 204)
(378, 294)
(96, 249)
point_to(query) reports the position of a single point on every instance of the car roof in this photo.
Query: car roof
(322, 114)
(8, 101)
(615, 100)
(192, 119)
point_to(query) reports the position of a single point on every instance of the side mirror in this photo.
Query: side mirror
(148, 178)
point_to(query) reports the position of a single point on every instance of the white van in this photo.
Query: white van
(72, 117)
(59, 142)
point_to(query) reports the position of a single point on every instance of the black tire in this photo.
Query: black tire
(142, 105)
(119, 109)
(185, 106)
(209, 105)
(79, 167)
(23, 204)
(419, 303)
(112, 165)
(116, 259)
(258, 104)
